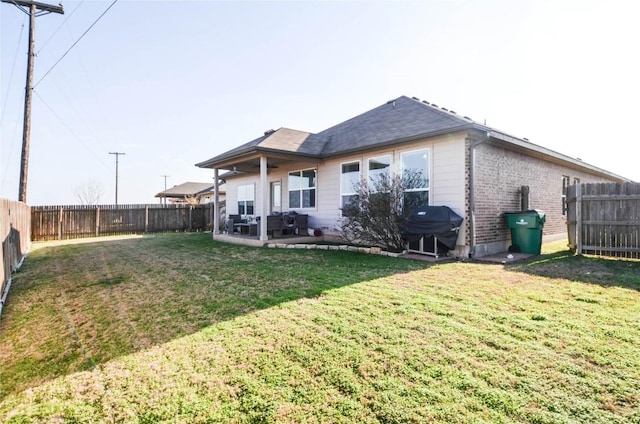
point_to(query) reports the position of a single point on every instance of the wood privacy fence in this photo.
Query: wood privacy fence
(76, 221)
(604, 219)
(15, 231)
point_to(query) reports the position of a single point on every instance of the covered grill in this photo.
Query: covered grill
(432, 230)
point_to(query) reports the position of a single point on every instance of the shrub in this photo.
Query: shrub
(378, 213)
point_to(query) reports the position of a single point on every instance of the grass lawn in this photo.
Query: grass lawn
(178, 328)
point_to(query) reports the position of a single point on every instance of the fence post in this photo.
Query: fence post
(97, 221)
(579, 219)
(190, 217)
(60, 224)
(146, 219)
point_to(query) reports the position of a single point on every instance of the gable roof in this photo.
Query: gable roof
(397, 121)
(284, 140)
(186, 189)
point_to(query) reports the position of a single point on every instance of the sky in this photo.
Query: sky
(173, 83)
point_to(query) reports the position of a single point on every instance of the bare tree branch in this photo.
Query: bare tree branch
(89, 193)
(378, 213)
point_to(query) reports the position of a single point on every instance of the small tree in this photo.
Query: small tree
(191, 199)
(378, 213)
(89, 193)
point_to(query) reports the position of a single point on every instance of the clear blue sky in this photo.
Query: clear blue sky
(174, 83)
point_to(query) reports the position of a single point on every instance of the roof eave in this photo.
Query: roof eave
(220, 162)
(535, 150)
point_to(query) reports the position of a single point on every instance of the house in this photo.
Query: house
(476, 170)
(189, 193)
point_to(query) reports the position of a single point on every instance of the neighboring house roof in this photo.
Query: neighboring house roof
(397, 121)
(187, 189)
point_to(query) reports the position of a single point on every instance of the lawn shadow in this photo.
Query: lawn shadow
(76, 306)
(606, 272)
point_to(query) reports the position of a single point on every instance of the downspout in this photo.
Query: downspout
(472, 190)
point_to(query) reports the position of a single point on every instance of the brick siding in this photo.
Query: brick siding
(499, 174)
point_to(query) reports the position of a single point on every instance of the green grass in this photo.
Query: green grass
(178, 328)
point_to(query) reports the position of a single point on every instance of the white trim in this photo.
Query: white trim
(340, 192)
(271, 197)
(388, 156)
(315, 188)
(246, 199)
(428, 150)
(264, 198)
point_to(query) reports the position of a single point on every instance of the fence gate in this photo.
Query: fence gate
(604, 219)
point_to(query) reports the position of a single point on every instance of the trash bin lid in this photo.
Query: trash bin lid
(525, 219)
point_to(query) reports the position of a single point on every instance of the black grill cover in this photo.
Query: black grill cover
(439, 221)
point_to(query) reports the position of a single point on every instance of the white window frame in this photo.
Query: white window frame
(352, 192)
(388, 169)
(427, 151)
(302, 189)
(566, 182)
(249, 195)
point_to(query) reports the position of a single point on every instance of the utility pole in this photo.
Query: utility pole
(165, 188)
(34, 9)
(165, 180)
(117, 154)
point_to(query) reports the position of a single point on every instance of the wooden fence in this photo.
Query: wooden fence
(15, 231)
(77, 221)
(604, 219)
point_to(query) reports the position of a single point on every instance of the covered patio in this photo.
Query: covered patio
(259, 158)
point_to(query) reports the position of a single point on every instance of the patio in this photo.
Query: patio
(286, 227)
(254, 241)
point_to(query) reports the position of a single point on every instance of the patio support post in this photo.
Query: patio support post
(216, 203)
(264, 198)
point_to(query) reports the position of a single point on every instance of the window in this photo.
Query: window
(415, 171)
(379, 166)
(565, 188)
(246, 198)
(349, 180)
(302, 189)
(276, 196)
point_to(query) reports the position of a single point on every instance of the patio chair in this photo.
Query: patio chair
(274, 225)
(231, 223)
(302, 221)
(289, 223)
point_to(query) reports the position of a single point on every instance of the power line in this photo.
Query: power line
(13, 68)
(69, 129)
(61, 25)
(13, 139)
(34, 7)
(76, 42)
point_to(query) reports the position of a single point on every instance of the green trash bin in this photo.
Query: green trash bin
(526, 230)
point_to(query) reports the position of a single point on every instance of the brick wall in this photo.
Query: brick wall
(500, 173)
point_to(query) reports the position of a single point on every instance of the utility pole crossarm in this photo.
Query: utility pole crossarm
(42, 6)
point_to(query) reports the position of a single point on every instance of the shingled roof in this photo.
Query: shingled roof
(186, 189)
(281, 140)
(396, 121)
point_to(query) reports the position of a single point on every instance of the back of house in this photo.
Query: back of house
(477, 171)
